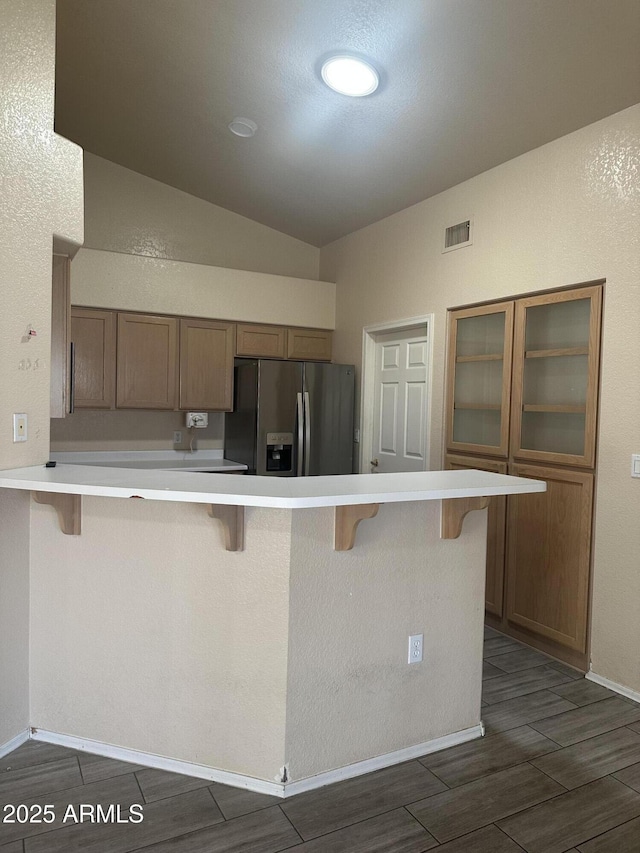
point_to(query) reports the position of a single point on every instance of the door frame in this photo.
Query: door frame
(367, 389)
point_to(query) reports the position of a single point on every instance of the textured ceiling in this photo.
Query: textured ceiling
(467, 84)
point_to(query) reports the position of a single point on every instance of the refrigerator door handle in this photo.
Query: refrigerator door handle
(307, 433)
(300, 410)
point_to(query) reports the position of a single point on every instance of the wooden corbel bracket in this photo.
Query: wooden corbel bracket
(68, 507)
(454, 511)
(232, 519)
(347, 518)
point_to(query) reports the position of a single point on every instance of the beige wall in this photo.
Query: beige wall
(41, 196)
(136, 283)
(351, 693)
(147, 634)
(130, 213)
(14, 614)
(562, 214)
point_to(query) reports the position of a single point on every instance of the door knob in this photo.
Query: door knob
(374, 463)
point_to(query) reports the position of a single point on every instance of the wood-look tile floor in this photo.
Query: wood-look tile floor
(558, 772)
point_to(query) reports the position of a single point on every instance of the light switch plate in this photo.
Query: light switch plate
(635, 464)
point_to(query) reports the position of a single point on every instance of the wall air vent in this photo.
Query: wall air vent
(457, 236)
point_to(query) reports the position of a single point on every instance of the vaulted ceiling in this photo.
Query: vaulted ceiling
(466, 85)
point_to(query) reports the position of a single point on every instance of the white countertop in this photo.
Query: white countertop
(152, 460)
(279, 492)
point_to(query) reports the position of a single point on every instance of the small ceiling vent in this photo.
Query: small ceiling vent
(457, 236)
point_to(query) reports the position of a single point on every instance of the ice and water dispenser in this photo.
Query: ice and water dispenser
(280, 451)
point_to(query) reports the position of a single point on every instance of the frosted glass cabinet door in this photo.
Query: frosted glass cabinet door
(479, 379)
(555, 376)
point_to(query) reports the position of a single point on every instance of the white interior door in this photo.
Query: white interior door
(400, 402)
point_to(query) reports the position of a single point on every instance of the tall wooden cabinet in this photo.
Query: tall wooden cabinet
(533, 411)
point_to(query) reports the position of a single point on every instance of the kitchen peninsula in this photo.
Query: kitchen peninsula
(275, 663)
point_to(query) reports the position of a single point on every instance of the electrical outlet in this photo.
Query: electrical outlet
(199, 420)
(20, 427)
(415, 648)
(177, 437)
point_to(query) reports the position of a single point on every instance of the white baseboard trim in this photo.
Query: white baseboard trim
(159, 762)
(381, 761)
(614, 686)
(14, 743)
(236, 780)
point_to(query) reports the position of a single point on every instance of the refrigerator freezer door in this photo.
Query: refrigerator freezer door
(329, 415)
(279, 383)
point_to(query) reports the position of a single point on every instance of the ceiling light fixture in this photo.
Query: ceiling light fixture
(349, 75)
(243, 127)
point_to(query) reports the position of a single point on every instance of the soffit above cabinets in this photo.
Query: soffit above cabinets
(465, 85)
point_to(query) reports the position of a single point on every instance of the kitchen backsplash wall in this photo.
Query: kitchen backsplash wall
(131, 430)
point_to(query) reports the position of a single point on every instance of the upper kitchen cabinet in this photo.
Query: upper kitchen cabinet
(254, 341)
(147, 362)
(206, 365)
(479, 379)
(93, 336)
(555, 377)
(309, 344)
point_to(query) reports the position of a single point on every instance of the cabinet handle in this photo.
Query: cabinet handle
(72, 378)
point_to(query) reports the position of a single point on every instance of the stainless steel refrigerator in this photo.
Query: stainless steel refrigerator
(291, 418)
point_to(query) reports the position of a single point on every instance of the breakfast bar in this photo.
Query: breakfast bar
(270, 652)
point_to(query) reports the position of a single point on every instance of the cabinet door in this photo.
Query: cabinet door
(147, 362)
(206, 365)
(555, 377)
(496, 521)
(261, 341)
(549, 554)
(60, 305)
(93, 334)
(309, 344)
(479, 379)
